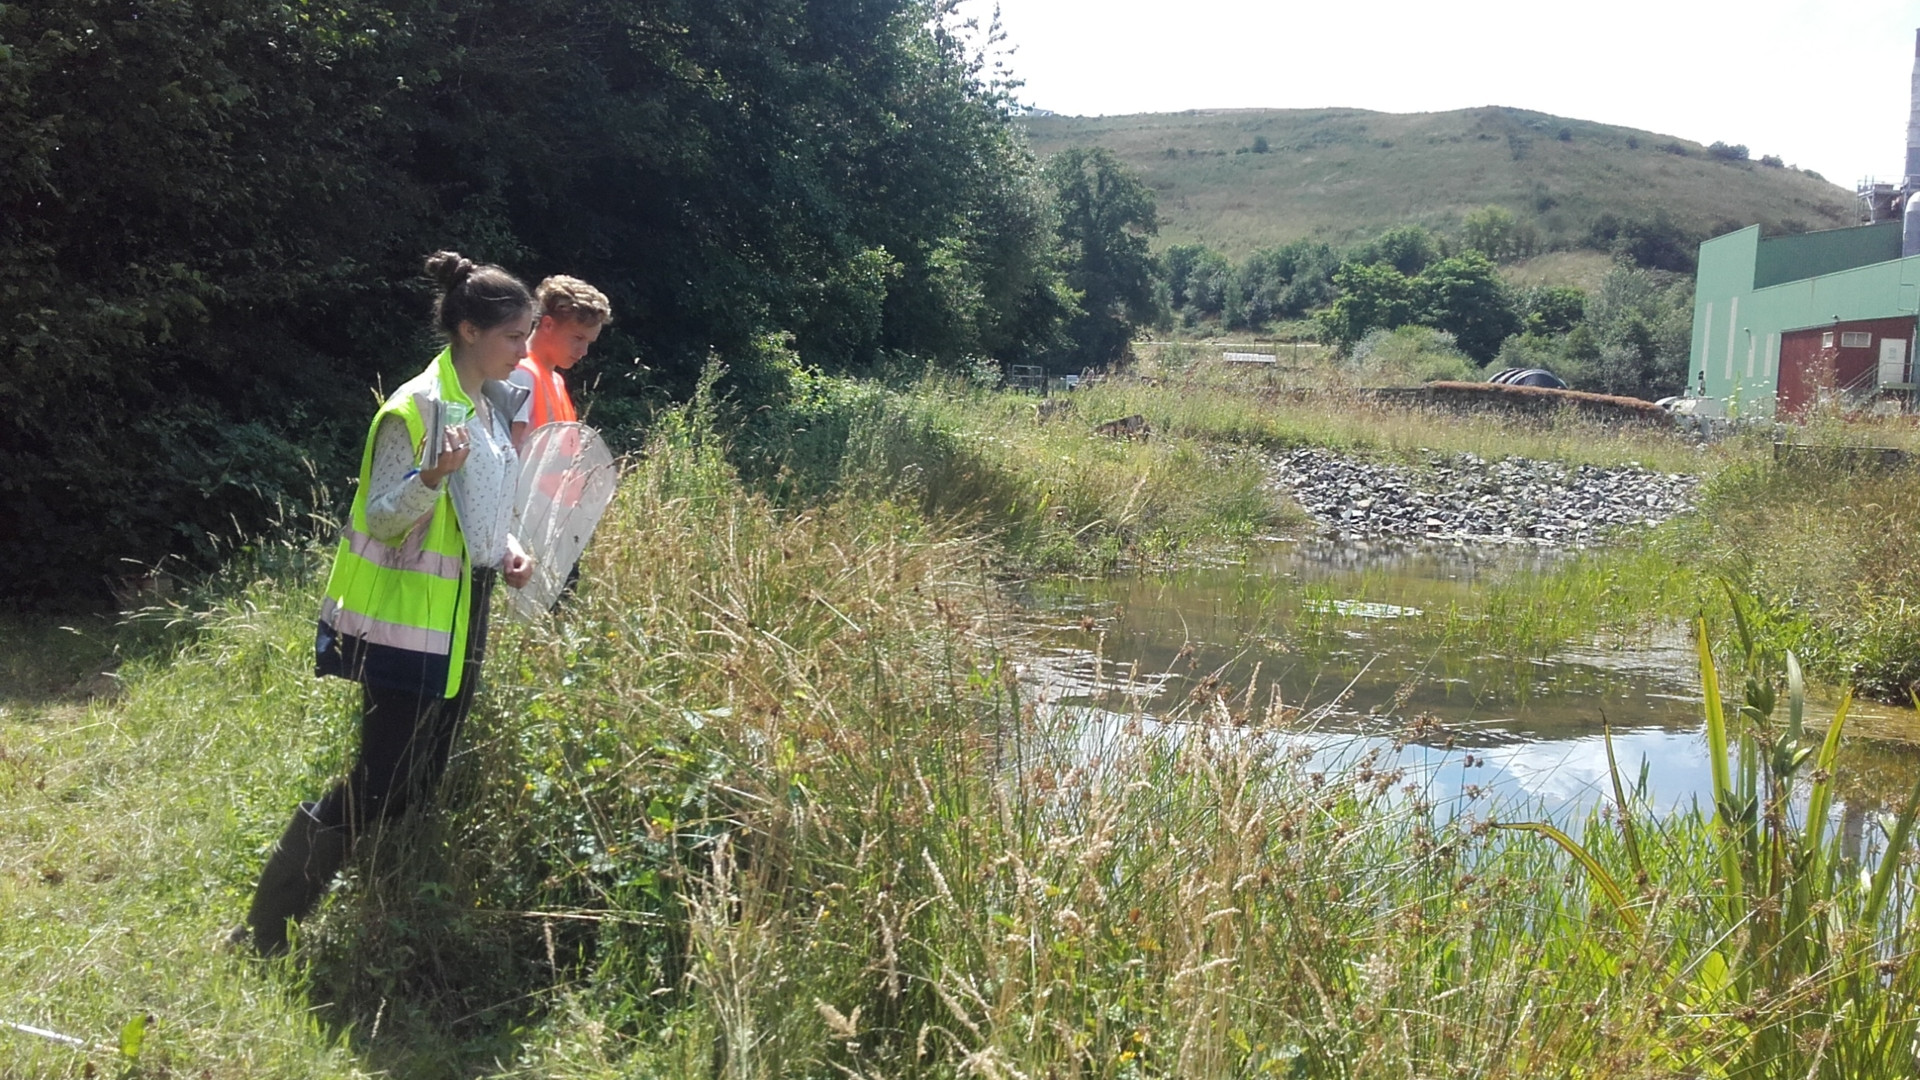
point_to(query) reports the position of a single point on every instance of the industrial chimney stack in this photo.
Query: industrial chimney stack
(1910, 230)
(1913, 121)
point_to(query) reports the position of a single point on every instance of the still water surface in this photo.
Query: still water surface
(1336, 641)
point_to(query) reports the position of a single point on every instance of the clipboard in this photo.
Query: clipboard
(433, 420)
(435, 415)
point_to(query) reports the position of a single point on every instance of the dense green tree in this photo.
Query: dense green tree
(185, 194)
(1654, 243)
(1106, 215)
(1209, 284)
(1464, 296)
(1461, 295)
(1407, 248)
(1176, 269)
(1198, 278)
(212, 214)
(1550, 309)
(1373, 296)
(1494, 232)
(1284, 282)
(1641, 325)
(1633, 339)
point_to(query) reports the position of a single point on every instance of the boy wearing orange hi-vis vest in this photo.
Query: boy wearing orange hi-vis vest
(571, 315)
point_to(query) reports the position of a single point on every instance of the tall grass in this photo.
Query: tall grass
(1812, 967)
(1053, 495)
(1609, 596)
(1313, 402)
(1831, 550)
(769, 798)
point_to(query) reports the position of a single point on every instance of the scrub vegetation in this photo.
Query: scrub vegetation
(770, 798)
(195, 303)
(214, 215)
(1312, 396)
(1824, 538)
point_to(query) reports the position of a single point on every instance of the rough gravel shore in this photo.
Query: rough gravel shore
(1466, 497)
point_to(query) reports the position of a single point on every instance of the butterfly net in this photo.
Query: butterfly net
(567, 478)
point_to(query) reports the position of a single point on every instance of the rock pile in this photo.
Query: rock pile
(1466, 497)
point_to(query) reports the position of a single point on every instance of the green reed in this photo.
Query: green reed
(769, 797)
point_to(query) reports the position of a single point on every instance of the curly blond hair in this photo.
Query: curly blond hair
(572, 300)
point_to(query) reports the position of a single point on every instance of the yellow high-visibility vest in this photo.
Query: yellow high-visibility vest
(397, 614)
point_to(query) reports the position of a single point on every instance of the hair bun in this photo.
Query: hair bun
(449, 268)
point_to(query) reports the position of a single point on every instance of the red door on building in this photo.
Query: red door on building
(1836, 359)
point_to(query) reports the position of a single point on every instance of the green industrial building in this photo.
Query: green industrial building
(1784, 323)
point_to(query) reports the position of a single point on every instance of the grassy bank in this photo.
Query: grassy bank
(1828, 550)
(1048, 493)
(767, 800)
(1313, 401)
(1325, 170)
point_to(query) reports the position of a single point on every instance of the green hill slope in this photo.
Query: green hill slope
(1346, 174)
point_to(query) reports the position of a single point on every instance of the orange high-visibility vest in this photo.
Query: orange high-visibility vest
(551, 402)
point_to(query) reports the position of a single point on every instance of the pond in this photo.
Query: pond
(1355, 648)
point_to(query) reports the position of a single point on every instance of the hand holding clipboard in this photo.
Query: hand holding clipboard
(446, 444)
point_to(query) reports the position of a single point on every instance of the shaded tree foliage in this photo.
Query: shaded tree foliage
(1373, 296)
(1407, 248)
(212, 214)
(1633, 339)
(1461, 295)
(1655, 243)
(1496, 233)
(1285, 282)
(1464, 296)
(1106, 214)
(1197, 278)
(1274, 283)
(1550, 309)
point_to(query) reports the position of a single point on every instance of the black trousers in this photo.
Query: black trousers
(406, 736)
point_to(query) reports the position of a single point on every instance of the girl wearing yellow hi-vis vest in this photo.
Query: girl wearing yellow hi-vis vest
(405, 613)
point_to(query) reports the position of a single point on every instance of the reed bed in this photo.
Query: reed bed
(1049, 492)
(769, 798)
(1830, 547)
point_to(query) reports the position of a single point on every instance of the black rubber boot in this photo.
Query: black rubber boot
(296, 876)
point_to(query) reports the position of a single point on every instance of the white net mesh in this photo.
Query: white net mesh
(567, 478)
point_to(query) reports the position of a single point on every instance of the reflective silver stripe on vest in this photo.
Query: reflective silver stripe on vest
(380, 632)
(410, 557)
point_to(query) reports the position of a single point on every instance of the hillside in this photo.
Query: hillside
(1346, 174)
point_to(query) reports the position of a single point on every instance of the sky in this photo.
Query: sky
(1826, 86)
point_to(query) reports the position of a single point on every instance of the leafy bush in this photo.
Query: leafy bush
(1408, 355)
(1407, 248)
(1551, 309)
(212, 216)
(1496, 233)
(1655, 243)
